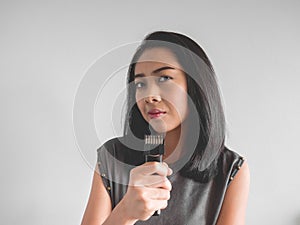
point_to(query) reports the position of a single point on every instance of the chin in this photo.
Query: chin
(158, 126)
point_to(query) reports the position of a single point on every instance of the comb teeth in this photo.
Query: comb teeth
(154, 144)
(154, 139)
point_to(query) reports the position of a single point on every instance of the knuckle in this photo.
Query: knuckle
(147, 207)
(143, 198)
(168, 195)
(169, 185)
(132, 173)
(165, 194)
(165, 204)
(156, 165)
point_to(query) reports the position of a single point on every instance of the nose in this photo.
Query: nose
(151, 92)
(152, 99)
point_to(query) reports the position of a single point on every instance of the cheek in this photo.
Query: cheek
(140, 104)
(178, 100)
(181, 105)
(139, 96)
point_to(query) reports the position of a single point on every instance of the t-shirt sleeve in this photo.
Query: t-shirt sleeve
(113, 171)
(237, 164)
(102, 162)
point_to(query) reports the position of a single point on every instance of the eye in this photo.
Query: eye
(165, 78)
(139, 84)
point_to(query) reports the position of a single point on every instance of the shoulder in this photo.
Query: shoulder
(231, 163)
(124, 142)
(236, 168)
(123, 149)
(114, 146)
(235, 201)
(229, 155)
(234, 206)
(107, 152)
(110, 144)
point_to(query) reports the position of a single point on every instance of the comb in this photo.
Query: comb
(154, 150)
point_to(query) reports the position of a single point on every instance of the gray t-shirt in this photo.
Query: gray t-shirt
(191, 202)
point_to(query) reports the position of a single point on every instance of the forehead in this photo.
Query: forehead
(155, 57)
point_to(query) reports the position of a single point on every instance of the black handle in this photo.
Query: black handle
(154, 158)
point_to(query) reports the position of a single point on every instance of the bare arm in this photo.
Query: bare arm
(99, 204)
(139, 197)
(233, 210)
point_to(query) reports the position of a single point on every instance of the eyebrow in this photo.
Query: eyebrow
(155, 71)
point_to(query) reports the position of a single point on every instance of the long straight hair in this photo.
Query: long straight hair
(203, 91)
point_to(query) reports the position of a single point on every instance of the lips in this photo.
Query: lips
(155, 113)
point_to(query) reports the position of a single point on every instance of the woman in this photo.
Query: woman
(172, 90)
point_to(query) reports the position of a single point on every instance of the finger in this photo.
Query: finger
(162, 204)
(155, 167)
(157, 181)
(170, 171)
(164, 184)
(158, 194)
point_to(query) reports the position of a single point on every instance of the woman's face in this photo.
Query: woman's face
(161, 89)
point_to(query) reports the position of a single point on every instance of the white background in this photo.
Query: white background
(47, 46)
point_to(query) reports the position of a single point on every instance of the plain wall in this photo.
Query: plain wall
(48, 46)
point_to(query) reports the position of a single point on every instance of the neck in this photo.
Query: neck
(174, 144)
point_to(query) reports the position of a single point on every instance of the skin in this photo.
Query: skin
(148, 192)
(165, 90)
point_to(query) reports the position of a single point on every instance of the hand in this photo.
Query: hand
(148, 190)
